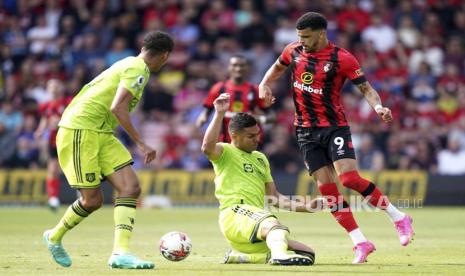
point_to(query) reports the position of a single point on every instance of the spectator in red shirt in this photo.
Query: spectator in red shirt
(51, 112)
(244, 96)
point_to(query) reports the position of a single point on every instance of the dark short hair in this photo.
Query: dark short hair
(239, 56)
(240, 121)
(157, 42)
(312, 20)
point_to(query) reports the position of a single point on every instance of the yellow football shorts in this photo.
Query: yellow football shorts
(240, 226)
(86, 156)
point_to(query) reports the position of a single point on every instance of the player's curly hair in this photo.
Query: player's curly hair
(312, 20)
(240, 121)
(157, 42)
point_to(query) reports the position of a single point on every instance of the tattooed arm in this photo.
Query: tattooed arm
(374, 100)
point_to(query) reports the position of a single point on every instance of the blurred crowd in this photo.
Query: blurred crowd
(412, 52)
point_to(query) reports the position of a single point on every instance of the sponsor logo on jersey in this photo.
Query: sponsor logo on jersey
(308, 88)
(248, 168)
(307, 77)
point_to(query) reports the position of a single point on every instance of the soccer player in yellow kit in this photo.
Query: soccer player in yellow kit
(88, 151)
(243, 177)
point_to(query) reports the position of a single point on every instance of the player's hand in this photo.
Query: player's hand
(264, 93)
(222, 103)
(316, 205)
(148, 152)
(200, 121)
(385, 114)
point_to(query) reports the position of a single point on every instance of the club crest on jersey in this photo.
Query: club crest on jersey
(90, 177)
(328, 66)
(248, 168)
(307, 77)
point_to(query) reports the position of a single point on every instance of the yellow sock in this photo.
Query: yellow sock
(124, 215)
(276, 240)
(244, 258)
(72, 217)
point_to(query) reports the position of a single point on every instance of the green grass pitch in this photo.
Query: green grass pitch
(438, 248)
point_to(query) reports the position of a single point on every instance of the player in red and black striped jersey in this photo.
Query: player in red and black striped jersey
(318, 71)
(243, 95)
(51, 113)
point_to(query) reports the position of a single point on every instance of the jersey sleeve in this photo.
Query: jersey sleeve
(268, 176)
(286, 56)
(212, 95)
(224, 155)
(351, 69)
(134, 79)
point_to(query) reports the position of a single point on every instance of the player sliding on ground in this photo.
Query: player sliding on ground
(242, 178)
(88, 151)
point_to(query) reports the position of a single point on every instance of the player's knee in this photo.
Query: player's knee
(270, 226)
(131, 189)
(92, 203)
(352, 180)
(136, 191)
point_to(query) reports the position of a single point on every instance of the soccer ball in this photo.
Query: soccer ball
(175, 246)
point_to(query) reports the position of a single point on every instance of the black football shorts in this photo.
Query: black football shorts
(321, 146)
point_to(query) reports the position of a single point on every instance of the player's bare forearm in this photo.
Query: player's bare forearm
(274, 73)
(300, 206)
(374, 100)
(212, 134)
(124, 119)
(119, 108)
(370, 94)
(283, 202)
(210, 146)
(264, 90)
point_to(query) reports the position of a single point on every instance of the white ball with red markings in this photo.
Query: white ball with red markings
(175, 246)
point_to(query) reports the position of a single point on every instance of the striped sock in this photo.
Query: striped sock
(72, 217)
(124, 215)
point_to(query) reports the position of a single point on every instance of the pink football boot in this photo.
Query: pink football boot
(362, 250)
(404, 229)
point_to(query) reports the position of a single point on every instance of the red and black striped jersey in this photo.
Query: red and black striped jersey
(54, 108)
(244, 98)
(316, 82)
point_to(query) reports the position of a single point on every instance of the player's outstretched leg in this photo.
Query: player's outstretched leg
(57, 251)
(277, 241)
(235, 257)
(402, 221)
